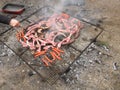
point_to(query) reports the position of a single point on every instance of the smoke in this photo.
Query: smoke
(61, 4)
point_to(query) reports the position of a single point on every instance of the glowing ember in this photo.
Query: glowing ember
(47, 36)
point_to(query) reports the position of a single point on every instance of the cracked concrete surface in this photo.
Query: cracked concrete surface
(93, 58)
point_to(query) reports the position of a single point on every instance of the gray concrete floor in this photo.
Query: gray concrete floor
(93, 58)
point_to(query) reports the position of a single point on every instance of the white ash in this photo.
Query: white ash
(90, 58)
(10, 52)
(34, 72)
(3, 54)
(18, 63)
(106, 48)
(23, 71)
(115, 67)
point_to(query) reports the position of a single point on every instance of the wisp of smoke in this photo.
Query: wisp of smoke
(62, 3)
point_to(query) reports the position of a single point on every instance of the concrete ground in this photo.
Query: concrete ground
(92, 62)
